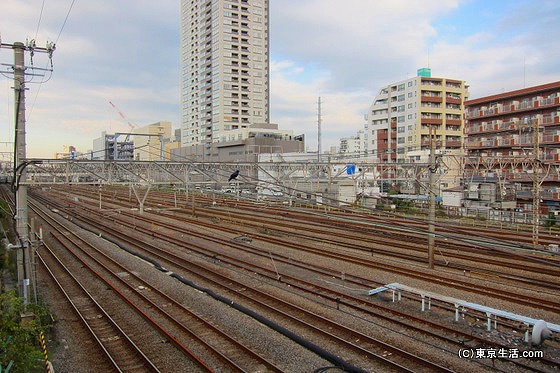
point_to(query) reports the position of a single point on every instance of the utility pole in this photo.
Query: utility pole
(24, 254)
(319, 145)
(537, 169)
(432, 168)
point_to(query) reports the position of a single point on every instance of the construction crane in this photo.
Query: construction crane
(127, 139)
(132, 126)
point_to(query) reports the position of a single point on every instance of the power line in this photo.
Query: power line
(65, 19)
(40, 17)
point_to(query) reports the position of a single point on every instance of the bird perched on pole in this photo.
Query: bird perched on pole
(233, 176)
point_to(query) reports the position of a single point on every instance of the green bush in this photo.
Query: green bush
(19, 340)
(4, 209)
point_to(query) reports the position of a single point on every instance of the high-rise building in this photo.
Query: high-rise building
(403, 114)
(225, 68)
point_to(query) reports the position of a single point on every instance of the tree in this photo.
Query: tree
(19, 340)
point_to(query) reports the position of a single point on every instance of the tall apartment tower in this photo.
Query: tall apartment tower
(402, 115)
(225, 68)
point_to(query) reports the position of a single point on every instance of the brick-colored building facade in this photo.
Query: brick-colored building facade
(502, 133)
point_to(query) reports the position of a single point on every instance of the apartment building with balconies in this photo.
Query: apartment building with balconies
(352, 146)
(403, 116)
(408, 118)
(514, 138)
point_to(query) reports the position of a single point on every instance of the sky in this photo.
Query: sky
(127, 53)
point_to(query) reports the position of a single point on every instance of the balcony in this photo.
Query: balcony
(550, 140)
(549, 101)
(551, 120)
(471, 144)
(453, 143)
(505, 142)
(488, 127)
(471, 114)
(511, 108)
(471, 129)
(552, 157)
(428, 82)
(435, 99)
(506, 126)
(453, 100)
(425, 141)
(452, 128)
(428, 121)
(490, 111)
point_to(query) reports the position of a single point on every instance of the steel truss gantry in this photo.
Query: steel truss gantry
(187, 174)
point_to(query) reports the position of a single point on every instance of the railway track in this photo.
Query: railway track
(244, 224)
(121, 353)
(343, 337)
(136, 227)
(188, 326)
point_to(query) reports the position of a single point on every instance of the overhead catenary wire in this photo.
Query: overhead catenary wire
(474, 239)
(219, 176)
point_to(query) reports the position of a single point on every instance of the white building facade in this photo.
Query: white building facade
(354, 146)
(403, 114)
(225, 68)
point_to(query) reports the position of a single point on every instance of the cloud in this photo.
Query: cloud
(362, 46)
(128, 52)
(295, 103)
(358, 41)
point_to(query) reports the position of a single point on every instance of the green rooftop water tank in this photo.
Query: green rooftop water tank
(425, 72)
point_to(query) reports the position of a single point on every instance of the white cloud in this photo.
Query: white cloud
(342, 51)
(363, 46)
